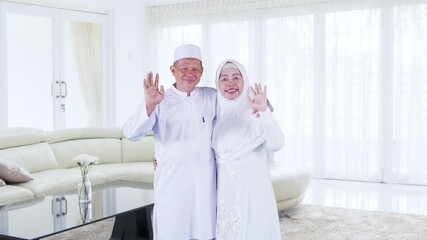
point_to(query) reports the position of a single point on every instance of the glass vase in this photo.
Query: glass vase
(85, 212)
(84, 190)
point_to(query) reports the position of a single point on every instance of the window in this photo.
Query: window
(347, 79)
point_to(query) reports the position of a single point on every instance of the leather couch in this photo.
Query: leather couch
(48, 157)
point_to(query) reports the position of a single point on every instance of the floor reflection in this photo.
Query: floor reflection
(368, 196)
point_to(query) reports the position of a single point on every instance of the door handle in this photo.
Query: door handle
(58, 83)
(54, 208)
(65, 89)
(64, 200)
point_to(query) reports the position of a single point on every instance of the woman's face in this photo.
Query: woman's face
(230, 83)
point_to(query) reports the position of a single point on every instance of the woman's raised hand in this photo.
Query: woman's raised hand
(259, 100)
(153, 94)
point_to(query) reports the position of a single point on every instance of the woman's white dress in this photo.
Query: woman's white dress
(246, 205)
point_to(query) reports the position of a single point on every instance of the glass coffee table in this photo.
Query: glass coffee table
(131, 203)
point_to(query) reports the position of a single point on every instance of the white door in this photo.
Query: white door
(83, 54)
(41, 83)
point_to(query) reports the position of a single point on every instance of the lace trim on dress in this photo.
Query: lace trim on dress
(229, 221)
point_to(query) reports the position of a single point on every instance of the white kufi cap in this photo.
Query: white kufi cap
(187, 51)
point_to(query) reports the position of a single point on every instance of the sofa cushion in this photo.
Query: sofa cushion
(20, 136)
(34, 158)
(135, 171)
(13, 173)
(108, 150)
(290, 179)
(113, 171)
(137, 151)
(139, 172)
(104, 143)
(12, 194)
(82, 133)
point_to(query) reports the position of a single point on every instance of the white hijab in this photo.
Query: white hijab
(236, 131)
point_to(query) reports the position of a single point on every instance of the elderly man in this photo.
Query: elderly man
(182, 121)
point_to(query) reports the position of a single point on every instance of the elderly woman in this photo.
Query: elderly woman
(244, 130)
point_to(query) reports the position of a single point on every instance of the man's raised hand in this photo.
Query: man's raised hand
(153, 95)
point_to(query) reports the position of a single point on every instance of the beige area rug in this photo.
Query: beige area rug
(310, 222)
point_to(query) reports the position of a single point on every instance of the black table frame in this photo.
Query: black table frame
(135, 224)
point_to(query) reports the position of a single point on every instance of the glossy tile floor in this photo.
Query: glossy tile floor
(368, 196)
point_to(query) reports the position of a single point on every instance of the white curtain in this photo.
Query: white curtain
(409, 160)
(87, 39)
(347, 78)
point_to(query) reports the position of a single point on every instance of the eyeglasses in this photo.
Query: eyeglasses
(195, 70)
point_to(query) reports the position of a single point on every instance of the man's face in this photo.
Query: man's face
(230, 83)
(187, 73)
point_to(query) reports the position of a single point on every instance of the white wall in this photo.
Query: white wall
(130, 44)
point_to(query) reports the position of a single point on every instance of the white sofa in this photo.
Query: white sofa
(48, 157)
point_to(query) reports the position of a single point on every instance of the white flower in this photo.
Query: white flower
(85, 161)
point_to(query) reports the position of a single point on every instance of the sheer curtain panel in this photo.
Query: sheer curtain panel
(347, 78)
(88, 52)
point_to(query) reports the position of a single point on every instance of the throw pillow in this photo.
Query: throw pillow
(12, 172)
(2, 183)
